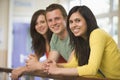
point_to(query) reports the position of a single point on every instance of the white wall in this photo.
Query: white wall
(4, 8)
(3, 31)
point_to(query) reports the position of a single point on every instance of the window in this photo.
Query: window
(73, 3)
(106, 12)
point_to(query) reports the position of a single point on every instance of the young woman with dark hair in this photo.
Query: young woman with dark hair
(95, 52)
(40, 33)
(41, 36)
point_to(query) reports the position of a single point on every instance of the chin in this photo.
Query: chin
(77, 35)
(57, 32)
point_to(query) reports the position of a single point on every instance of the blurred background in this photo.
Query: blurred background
(15, 16)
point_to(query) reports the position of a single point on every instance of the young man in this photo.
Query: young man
(56, 18)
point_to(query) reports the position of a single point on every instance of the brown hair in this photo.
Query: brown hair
(38, 41)
(57, 6)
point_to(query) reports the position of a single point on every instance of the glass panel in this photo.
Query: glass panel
(115, 28)
(104, 24)
(112, 29)
(115, 4)
(97, 6)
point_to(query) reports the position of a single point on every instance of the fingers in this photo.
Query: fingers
(53, 62)
(16, 73)
(14, 76)
(47, 66)
(32, 55)
(46, 70)
(28, 60)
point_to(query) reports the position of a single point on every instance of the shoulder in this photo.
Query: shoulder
(98, 33)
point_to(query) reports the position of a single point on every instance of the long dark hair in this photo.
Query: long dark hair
(38, 41)
(82, 47)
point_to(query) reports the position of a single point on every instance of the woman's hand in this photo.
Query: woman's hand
(33, 64)
(16, 73)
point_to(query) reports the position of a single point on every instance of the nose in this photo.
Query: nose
(54, 22)
(73, 25)
(39, 24)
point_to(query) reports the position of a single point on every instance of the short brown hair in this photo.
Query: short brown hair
(57, 6)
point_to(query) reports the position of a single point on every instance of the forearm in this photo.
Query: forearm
(23, 69)
(53, 55)
(67, 71)
(60, 65)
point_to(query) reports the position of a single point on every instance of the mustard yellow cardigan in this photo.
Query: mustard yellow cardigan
(104, 55)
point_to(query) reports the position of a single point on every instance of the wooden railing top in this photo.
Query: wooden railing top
(37, 73)
(7, 70)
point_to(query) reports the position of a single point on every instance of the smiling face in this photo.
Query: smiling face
(41, 25)
(56, 21)
(78, 24)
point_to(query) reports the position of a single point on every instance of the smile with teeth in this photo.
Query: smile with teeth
(76, 30)
(41, 29)
(56, 27)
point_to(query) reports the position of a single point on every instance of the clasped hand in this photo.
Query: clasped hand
(48, 66)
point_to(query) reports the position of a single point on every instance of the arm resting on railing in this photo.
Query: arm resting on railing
(39, 74)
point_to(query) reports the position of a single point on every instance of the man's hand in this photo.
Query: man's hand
(51, 67)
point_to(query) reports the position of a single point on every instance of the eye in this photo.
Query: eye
(70, 21)
(42, 21)
(50, 20)
(77, 20)
(57, 18)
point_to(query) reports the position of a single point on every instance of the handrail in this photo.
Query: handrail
(7, 70)
(39, 74)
